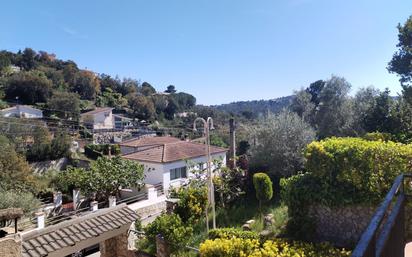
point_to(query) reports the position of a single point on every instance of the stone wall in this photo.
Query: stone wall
(342, 226)
(41, 167)
(10, 246)
(116, 247)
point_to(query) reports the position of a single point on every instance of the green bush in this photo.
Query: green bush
(192, 202)
(364, 169)
(25, 201)
(95, 151)
(228, 233)
(238, 247)
(263, 187)
(378, 136)
(342, 171)
(173, 230)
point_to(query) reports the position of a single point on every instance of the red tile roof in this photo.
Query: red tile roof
(97, 110)
(149, 141)
(171, 152)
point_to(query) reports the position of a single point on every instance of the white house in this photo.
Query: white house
(168, 160)
(99, 118)
(22, 111)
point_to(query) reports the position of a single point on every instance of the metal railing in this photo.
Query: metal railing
(385, 234)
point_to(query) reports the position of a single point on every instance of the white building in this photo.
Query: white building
(168, 160)
(22, 111)
(99, 118)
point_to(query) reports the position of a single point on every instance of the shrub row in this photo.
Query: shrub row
(342, 171)
(235, 247)
(228, 233)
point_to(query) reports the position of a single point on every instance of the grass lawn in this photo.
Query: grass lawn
(236, 215)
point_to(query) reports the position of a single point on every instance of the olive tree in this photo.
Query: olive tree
(277, 143)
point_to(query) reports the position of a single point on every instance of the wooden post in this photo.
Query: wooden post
(232, 148)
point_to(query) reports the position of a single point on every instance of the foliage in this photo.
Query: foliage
(142, 107)
(217, 141)
(71, 178)
(229, 185)
(44, 148)
(171, 228)
(402, 59)
(228, 233)
(86, 84)
(15, 172)
(23, 200)
(364, 168)
(65, 105)
(263, 187)
(29, 87)
(94, 151)
(281, 140)
(107, 176)
(377, 136)
(342, 171)
(192, 202)
(236, 247)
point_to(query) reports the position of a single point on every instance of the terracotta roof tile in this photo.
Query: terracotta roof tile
(39, 243)
(171, 152)
(96, 111)
(149, 141)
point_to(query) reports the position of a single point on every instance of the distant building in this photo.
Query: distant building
(22, 111)
(99, 118)
(121, 122)
(169, 161)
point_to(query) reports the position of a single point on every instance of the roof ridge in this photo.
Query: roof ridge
(63, 224)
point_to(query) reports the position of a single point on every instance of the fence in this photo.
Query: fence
(385, 234)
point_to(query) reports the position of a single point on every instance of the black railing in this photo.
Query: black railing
(385, 234)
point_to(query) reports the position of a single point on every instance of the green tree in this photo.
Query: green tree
(263, 188)
(27, 61)
(60, 145)
(401, 62)
(86, 84)
(171, 109)
(29, 87)
(280, 139)
(65, 105)
(192, 202)
(15, 172)
(334, 116)
(24, 200)
(142, 107)
(170, 89)
(108, 175)
(40, 150)
(147, 89)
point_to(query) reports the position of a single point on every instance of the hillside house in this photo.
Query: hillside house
(99, 118)
(22, 111)
(169, 161)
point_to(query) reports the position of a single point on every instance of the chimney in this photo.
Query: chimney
(112, 201)
(94, 206)
(40, 220)
(232, 149)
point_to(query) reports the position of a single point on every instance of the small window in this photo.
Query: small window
(178, 173)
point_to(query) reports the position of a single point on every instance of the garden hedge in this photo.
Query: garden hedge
(95, 151)
(238, 247)
(339, 172)
(228, 233)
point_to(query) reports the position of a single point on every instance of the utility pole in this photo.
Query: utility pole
(207, 126)
(232, 149)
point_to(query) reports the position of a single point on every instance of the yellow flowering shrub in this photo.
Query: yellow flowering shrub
(237, 247)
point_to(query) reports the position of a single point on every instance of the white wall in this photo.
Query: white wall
(157, 173)
(103, 120)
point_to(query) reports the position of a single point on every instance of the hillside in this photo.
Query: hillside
(64, 90)
(251, 109)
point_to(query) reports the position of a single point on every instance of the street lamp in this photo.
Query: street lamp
(207, 126)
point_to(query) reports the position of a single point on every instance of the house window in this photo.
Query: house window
(178, 173)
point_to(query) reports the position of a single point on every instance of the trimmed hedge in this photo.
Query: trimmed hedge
(238, 247)
(364, 168)
(263, 187)
(342, 171)
(228, 233)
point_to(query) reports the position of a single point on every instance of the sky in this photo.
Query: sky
(218, 50)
